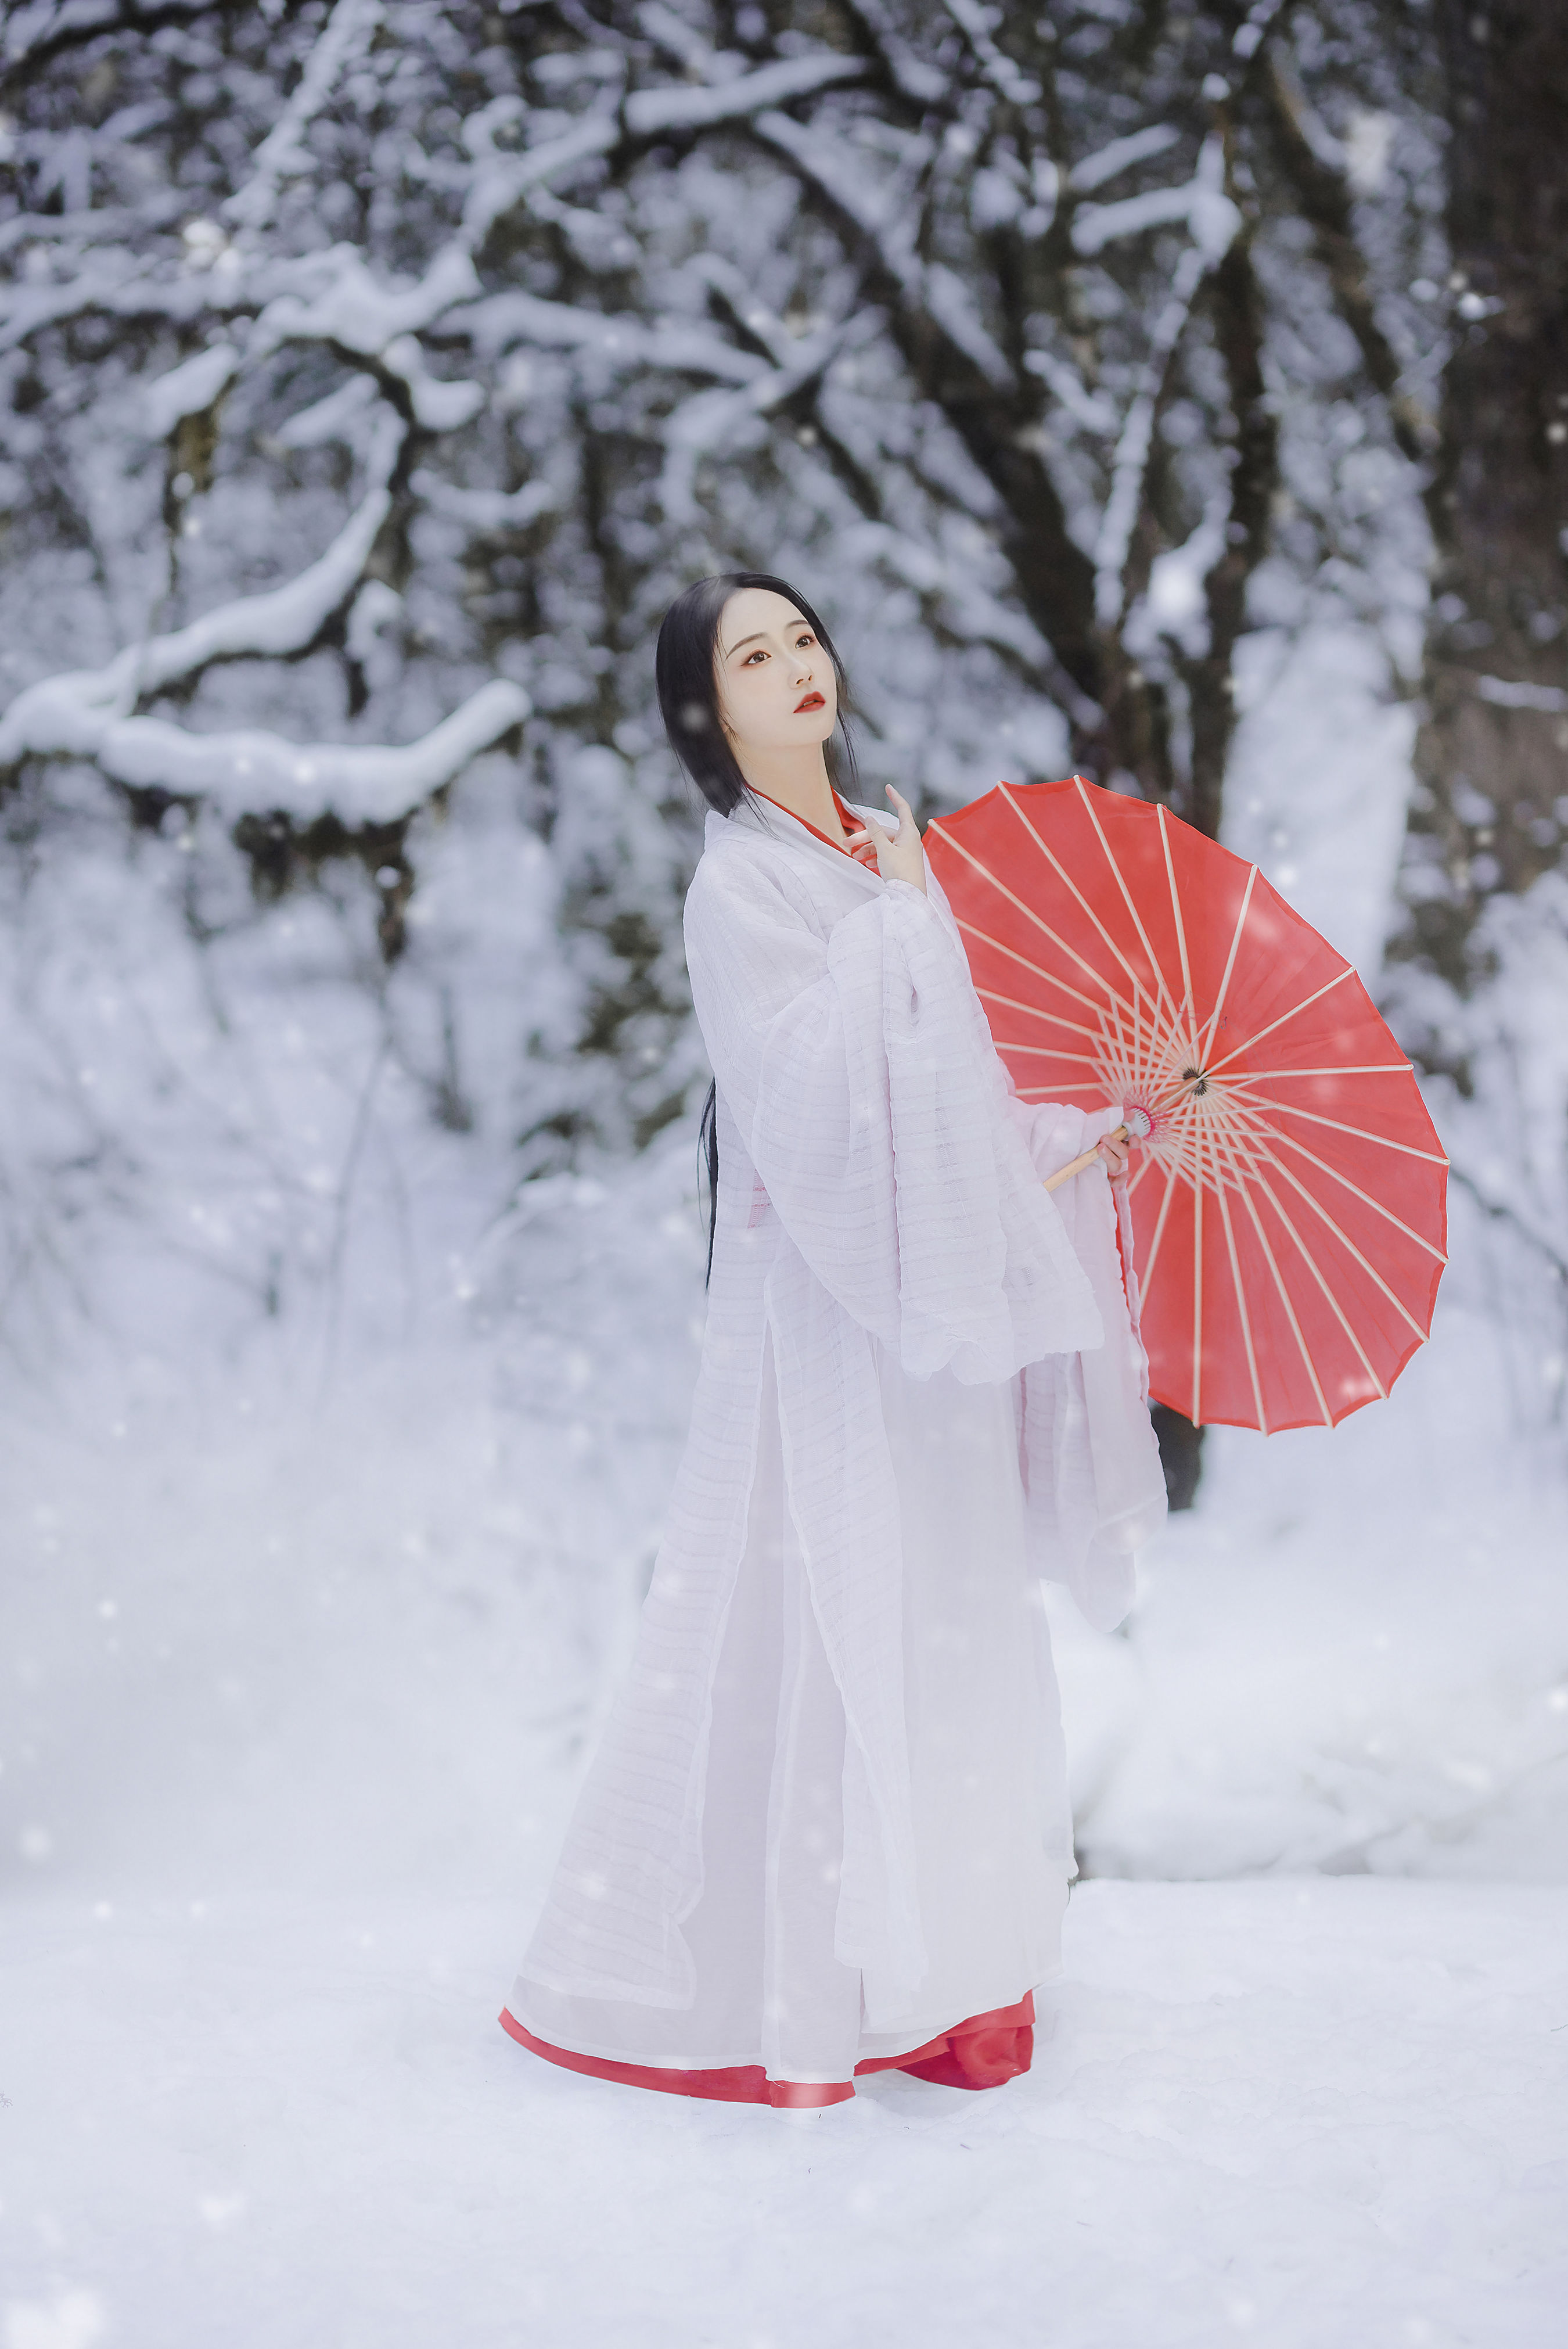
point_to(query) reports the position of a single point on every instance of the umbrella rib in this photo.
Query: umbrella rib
(1313, 1117)
(1345, 1240)
(1141, 1051)
(1126, 892)
(1117, 1032)
(1162, 1041)
(1049, 1093)
(1176, 915)
(1334, 1304)
(1069, 884)
(1197, 1269)
(1213, 1020)
(1054, 1052)
(1030, 915)
(1307, 1361)
(1306, 1002)
(1241, 1301)
(1354, 1188)
(1177, 1140)
(1124, 1089)
(1032, 968)
(1146, 1277)
(1137, 1032)
(1054, 1018)
(1347, 1069)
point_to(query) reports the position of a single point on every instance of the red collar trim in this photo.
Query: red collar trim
(850, 822)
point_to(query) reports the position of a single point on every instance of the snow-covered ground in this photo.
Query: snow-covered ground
(1304, 2113)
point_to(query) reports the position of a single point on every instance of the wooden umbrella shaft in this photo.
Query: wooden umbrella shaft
(1085, 1158)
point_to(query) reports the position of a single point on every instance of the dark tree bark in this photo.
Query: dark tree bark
(1490, 756)
(1181, 1455)
(1238, 315)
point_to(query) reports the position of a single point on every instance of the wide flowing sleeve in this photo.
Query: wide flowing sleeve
(1093, 1483)
(858, 1069)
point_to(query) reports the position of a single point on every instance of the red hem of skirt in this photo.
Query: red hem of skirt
(982, 2052)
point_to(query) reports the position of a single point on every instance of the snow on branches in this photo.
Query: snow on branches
(375, 373)
(554, 155)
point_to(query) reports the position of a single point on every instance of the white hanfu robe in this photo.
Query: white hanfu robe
(828, 1820)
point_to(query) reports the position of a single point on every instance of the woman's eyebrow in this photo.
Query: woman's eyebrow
(751, 639)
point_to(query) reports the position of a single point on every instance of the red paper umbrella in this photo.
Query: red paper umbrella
(1289, 1204)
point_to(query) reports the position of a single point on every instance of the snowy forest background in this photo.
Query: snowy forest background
(1167, 392)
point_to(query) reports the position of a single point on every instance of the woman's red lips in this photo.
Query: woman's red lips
(809, 701)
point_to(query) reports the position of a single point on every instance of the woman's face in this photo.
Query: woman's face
(777, 690)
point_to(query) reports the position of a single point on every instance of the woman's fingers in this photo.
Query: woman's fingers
(897, 855)
(904, 858)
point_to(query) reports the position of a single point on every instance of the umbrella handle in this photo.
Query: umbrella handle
(1085, 1158)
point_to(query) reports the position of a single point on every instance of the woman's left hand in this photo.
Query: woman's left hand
(900, 855)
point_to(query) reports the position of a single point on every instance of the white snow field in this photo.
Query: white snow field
(1299, 2111)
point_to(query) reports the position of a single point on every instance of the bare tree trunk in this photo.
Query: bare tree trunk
(1238, 316)
(1490, 756)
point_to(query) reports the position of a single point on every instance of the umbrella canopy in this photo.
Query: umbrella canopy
(1289, 1204)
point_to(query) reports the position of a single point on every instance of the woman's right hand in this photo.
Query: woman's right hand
(1113, 1149)
(900, 855)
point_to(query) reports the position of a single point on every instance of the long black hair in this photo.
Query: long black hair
(686, 667)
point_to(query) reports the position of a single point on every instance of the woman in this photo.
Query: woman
(826, 1831)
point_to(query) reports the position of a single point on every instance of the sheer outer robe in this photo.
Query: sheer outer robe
(879, 1181)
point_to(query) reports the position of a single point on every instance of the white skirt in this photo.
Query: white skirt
(993, 1823)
